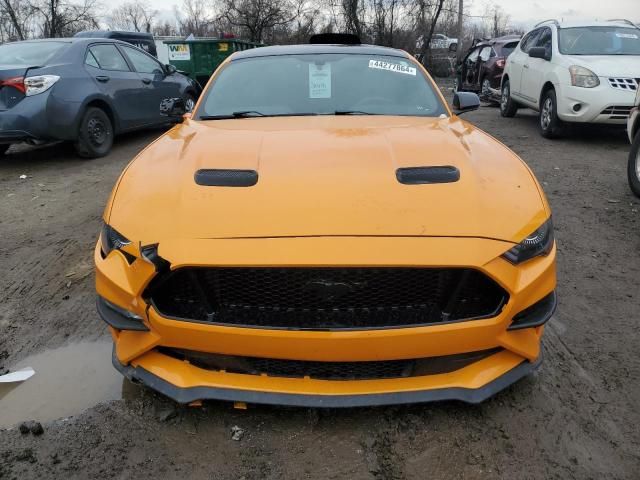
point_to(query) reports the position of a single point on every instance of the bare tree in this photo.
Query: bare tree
(427, 15)
(385, 20)
(14, 16)
(134, 15)
(354, 12)
(258, 16)
(165, 29)
(195, 18)
(64, 18)
(498, 20)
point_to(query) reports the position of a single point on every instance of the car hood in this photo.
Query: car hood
(608, 65)
(326, 176)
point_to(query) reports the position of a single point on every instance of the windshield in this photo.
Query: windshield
(321, 84)
(599, 41)
(29, 54)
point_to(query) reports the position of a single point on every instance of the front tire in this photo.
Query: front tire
(453, 47)
(508, 107)
(633, 166)
(3, 149)
(95, 134)
(550, 125)
(485, 89)
(189, 102)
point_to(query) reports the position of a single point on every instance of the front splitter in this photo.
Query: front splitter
(192, 394)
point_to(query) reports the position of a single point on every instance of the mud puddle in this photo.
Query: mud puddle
(68, 380)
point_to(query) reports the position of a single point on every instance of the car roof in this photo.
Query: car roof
(594, 23)
(73, 40)
(112, 34)
(498, 40)
(319, 49)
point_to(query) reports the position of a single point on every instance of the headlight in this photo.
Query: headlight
(39, 84)
(110, 240)
(583, 77)
(538, 243)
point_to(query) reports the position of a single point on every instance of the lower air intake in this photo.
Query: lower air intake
(381, 369)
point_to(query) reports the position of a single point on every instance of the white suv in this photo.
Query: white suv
(587, 72)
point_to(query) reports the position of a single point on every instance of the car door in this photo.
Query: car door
(517, 61)
(536, 68)
(116, 81)
(483, 58)
(158, 85)
(469, 68)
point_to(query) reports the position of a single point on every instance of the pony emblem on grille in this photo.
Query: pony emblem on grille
(330, 291)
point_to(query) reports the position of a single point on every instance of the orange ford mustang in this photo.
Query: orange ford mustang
(323, 231)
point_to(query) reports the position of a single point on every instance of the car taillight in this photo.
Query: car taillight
(500, 63)
(15, 82)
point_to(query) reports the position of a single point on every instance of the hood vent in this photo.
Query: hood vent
(226, 178)
(426, 175)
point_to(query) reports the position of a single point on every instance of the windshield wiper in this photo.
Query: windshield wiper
(352, 112)
(247, 113)
(253, 114)
(240, 114)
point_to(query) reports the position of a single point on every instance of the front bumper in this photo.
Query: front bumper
(137, 353)
(597, 105)
(323, 393)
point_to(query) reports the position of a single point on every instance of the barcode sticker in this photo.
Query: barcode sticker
(392, 67)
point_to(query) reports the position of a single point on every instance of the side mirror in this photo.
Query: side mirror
(170, 69)
(174, 108)
(539, 52)
(465, 102)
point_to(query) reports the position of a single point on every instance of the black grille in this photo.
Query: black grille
(326, 298)
(329, 370)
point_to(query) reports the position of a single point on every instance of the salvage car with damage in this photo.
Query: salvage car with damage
(82, 90)
(323, 231)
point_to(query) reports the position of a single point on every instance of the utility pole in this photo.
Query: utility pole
(459, 34)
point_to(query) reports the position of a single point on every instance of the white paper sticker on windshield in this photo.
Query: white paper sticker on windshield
(392, 67)
(320, 80)
(626, 35)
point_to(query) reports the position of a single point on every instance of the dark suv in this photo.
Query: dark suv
(142, 40)
(481, 68)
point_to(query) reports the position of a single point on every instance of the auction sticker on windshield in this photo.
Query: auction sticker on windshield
(319, 80)
(392, 67)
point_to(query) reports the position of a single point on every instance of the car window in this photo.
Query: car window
(544, 40)
(599, 41)
(90, 60)
(508, 48)
(29, 53)
(529, 40)
(142, 62)
(109, 58)
(322, 84)
(472, 57)
(485, 54)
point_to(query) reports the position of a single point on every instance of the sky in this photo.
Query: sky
(521, 12)
(528, 12)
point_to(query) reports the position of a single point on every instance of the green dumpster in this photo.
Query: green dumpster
(199, 58)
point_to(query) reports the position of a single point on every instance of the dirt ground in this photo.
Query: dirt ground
(577, 417)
